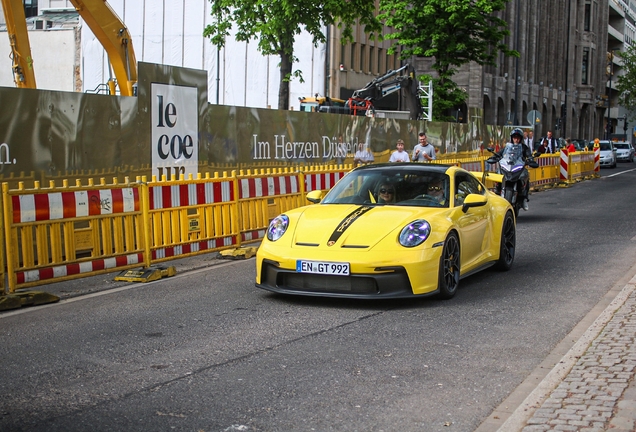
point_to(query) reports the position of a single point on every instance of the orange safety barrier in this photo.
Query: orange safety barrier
(68, 232)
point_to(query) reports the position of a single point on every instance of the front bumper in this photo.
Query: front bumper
(386, 285)
(624, 157)
(407, 274)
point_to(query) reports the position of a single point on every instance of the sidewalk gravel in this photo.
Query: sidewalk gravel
(599, 391)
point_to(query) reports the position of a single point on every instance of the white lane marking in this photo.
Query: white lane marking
(622, 172)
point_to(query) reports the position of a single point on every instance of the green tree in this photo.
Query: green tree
(453, 32)
(627, 82)
(275, 23)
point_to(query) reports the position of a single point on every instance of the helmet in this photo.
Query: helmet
(516, 131)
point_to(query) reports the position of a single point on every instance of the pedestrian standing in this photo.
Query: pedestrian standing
(399, 155)
(550, 143)
(363, 156)
(527, 139)
(423, 151)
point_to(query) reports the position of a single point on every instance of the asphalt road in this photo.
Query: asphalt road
(207, 351)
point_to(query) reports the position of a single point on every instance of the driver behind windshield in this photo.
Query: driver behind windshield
(436, 190)
(386, 193)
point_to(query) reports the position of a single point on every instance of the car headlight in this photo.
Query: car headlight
(415, 233)
(277, 227)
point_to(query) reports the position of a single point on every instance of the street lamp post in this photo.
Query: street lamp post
(564, 114)
(610, 70)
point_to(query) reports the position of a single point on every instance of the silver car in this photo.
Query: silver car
(624, 151)
(608, 153)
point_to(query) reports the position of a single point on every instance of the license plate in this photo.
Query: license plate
(322, 267)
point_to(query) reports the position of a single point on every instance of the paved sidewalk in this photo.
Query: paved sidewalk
(596, 391)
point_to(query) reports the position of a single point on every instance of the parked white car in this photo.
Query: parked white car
(608, 153)
(624, 151)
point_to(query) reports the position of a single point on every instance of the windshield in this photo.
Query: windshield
(605, 146)
(391, 187)
(512, 157)
(622, 146)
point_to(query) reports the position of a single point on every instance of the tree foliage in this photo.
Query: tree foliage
(453, 32)
(627, 82)
(275, 23)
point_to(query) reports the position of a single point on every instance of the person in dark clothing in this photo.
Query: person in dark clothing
(550, 143)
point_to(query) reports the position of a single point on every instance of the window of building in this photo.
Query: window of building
(381, 61)
(587, 18)
(372, 62)
(584, 63)
(363, 58)
(343, 52)
(353, 55)
(30, 8)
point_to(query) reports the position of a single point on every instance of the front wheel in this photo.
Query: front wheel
(508, 243)
(509, 195)
(449, 267)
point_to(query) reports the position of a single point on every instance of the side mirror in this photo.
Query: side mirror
(533, 164)
(315, 196)
(474, 200)
(492, 160)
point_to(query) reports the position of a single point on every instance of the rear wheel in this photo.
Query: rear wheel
(508, 243)
(449, 267)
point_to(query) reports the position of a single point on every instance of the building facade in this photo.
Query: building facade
(562, 73)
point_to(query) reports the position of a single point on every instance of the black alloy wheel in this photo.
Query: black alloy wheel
(449, 267)
(508, 243)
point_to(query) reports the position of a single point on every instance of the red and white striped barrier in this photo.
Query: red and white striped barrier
(65, 205)
(256, 187)
(253, 235)
(77, 268)
(184, 195)
(190, 248)
(563, 167)
(472, 166)
(597, 158)
(322, 181)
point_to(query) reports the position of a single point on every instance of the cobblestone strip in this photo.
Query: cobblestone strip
(588, 397)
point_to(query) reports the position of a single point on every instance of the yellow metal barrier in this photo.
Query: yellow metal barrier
(191, 217)
(61, 233)
(68, 232)
(264, 194)
(2, 252)
(581, 165)
(547, 174)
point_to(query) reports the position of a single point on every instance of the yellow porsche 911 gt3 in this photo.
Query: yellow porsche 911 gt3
(388, 231)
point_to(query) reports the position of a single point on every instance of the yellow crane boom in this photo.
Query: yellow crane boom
(114, 36)
(22, 63)
(107, 27)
